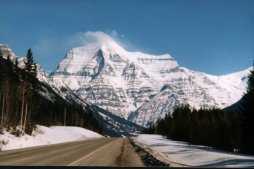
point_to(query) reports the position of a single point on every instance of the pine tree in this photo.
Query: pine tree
(1, 54)
(9, 62)
(3, 108)
(16, 63)
(29, 60)
(251, 81)
(16, 67)
(30, 65)
(248, 116)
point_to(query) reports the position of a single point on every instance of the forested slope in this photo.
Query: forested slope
(25, 102)
(229, 129)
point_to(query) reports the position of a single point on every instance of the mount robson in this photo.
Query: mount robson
(135, 86)
(140, 87)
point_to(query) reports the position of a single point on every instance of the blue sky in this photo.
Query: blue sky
(213, 36)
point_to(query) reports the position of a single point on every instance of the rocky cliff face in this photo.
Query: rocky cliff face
(138, 86)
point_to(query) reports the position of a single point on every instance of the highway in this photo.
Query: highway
(97, 152)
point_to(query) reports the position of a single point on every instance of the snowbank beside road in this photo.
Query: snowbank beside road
(46, 135)
(193, 155)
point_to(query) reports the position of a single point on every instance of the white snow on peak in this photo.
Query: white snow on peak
(79, 57)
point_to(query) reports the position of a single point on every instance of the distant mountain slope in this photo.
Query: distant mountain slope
(138, 86)
(197, 90)
(114, 125)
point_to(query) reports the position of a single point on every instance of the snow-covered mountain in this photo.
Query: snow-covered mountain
(193, 88)
(138, 86)
(107, 75)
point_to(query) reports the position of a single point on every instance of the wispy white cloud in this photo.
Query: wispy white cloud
(50, 49)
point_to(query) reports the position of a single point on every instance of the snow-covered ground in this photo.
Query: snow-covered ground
(193, 155)
(46, 135)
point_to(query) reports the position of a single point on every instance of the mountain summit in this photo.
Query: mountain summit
(139, 86)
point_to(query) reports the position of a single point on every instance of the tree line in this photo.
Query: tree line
(227, 129)
(25, 101)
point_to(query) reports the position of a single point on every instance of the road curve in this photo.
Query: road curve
(97, 152)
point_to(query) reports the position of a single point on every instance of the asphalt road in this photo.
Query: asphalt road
(98, 152)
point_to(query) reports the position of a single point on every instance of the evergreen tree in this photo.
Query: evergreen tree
(1, 54)
(181, 123)
(9, 62)
(16, 63)
(248, 116)
(30, 65)
(211, 127)
(251, 81)
(29, 60)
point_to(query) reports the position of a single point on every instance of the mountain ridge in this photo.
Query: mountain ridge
(123, 82)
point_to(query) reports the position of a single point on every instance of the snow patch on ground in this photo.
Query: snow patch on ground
(193, 155)
(46, 135)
